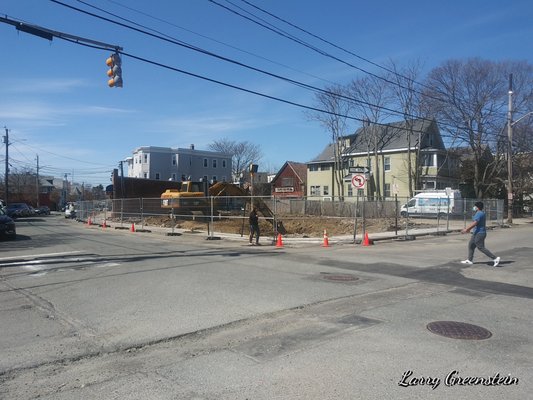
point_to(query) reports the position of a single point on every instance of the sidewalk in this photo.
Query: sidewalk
(400, 235)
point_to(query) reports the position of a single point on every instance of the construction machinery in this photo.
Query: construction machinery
(192, 198)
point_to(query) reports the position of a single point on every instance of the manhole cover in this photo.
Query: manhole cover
(339, 277)
(459, 330)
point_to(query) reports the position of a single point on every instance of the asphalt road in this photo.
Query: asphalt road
(92, 313)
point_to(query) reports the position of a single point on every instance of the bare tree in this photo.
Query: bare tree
(23, 184)
(374, 95)
(242, 153)
(408, 96)
(335, 120)
(469, 98)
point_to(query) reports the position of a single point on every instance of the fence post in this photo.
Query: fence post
(121, 211)
(212, 222)
(275, 225)
(142, 213)
(407, 218)
(396, 213)
(356, 206)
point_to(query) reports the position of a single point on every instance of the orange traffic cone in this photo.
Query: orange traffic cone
(367, 241)
(132, 229)
(279, 242)
(89, 222)
(104, 225)
(326, 240)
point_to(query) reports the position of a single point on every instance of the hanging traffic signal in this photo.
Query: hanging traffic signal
(115, 71)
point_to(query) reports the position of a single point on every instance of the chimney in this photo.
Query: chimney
(192, 146)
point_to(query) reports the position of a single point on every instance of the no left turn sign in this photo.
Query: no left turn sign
(358, 181)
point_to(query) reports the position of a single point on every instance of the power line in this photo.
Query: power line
(332, 44)
(197, 49)
(289, 36)
(197, 34)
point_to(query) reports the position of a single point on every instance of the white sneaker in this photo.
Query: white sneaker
(496, 261)
(467, 262)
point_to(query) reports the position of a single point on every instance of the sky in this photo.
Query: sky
(56, 104)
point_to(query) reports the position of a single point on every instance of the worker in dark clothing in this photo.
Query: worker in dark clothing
(254, 226)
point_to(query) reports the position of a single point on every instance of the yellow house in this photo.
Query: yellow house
(379, 154)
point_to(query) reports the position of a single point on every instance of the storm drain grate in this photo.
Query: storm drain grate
(458, 330)
(339, 277)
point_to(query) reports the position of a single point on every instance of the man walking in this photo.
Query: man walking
(254, 226)
(478, 235)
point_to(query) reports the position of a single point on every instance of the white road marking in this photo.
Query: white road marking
(39, 255)
(32, 267)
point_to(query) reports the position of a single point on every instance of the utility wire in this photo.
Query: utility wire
(333, 44)
(197, 49)
(239, 88)
(289, 36)
(199, 35)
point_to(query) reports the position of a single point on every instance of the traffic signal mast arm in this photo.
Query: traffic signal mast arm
(50, 34)
(114, 62)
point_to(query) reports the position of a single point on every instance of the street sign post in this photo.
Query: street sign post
(358, 181)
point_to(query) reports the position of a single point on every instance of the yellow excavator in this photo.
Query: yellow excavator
(190, 199)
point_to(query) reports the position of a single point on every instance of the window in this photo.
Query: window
(387, 190)
(427, 160)
(360, 192)
(157, 177)
(205, 162)
(313, 167)
(173, 177)
(190, 161)
(214, 162)
(174, 160)
(326, 190)
(145, 175)
(428, 185)
(289, 181)
(223, 163)
(324, 167)
(387, 164)
(315, 191)
(349, 190)
(145, 158)
(214, 178)
(223, 179)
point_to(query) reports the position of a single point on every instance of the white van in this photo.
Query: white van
(437, 203)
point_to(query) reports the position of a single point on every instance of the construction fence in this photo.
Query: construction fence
(230, 214)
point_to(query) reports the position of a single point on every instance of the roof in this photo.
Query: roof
(393, 136)
(326, 155)
(300, 169)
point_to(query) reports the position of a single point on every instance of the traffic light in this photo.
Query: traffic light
(115, 71)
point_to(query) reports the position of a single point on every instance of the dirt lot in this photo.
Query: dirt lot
(295, 227)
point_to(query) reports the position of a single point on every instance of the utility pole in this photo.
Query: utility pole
(122, 189)
(38, 205)
(510, 153)
(6, 141)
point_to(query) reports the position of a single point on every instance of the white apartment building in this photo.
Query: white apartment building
(165, 163)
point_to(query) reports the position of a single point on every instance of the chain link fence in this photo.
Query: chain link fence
(278, 215)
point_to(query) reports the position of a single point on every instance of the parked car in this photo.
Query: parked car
(7, 225)
(43, 210)
(17, 210)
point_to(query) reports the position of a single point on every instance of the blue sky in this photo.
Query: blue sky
(56, 103)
